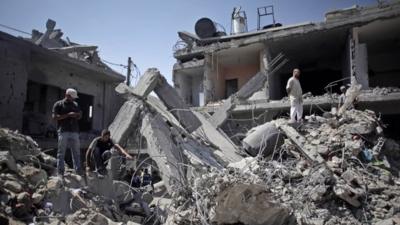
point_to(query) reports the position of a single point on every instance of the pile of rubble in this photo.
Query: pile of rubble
(30, 193)
(337, 168)
(330, 170)
(385, 90)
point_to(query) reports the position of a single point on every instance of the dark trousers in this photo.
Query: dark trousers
(101, 158)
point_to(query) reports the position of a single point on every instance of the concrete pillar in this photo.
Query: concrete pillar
(208, 86)
(362, 65)
(178, 84)
(265, 58)
(358, 59)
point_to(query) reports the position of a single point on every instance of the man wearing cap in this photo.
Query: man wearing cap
(67, 113)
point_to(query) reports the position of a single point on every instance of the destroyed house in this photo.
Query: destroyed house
(363, 42)
(36, 71)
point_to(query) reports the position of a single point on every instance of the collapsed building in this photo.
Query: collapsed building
(36, 71)
(337, 167)
(357, 41)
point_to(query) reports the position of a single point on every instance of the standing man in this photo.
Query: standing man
(293, 88)
(67, 113)
(342, 96)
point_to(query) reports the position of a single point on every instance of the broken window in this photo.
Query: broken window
(86, 104)
(231, 87)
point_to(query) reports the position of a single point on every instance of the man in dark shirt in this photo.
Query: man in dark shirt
(67, 113)
(99, 151)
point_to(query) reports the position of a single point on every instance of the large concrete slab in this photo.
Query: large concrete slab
(176, 105)
(163, 150)
(124, 122)
(222, 113)
(147, 83)
(228, 150)
(121, 128)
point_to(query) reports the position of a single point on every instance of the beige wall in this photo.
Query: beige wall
(241, 72)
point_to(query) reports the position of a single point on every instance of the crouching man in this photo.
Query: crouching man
(99, 153)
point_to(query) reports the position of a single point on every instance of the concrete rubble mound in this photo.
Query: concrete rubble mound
(337, 168)
(328, 170)
(31, 194)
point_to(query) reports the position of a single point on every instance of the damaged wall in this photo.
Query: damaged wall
(34, 78)
(14, 63)
(64, 77)
(240, 73)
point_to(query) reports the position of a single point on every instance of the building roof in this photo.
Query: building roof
(349, 17)
(54, 56)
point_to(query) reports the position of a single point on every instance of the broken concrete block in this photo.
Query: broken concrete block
(103, 186)
(163, 150)
(73, 180)
(352, 178)
(222, 113)
(349, 194)
(176, 105)
(318, 193)
(20, 147)
(34, 175)
(254, 84)
(249, 204)
(308, 151)
(7, 160)
(323, 150)
(351, 95)
(199, 154)
(12, 186)
(37, 198)
(123, 125)
(245, 165)
(263, 139)
(147, 83)
(218, 138)
(125, 121)
(385, 222)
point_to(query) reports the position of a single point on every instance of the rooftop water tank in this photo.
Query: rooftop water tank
(239, 21)
(205, 28)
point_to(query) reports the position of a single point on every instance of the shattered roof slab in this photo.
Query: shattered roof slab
(351, 17)
(46, 54)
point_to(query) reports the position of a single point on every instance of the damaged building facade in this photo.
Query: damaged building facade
(359, 41)
(36, 72)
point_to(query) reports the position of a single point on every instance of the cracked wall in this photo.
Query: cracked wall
(14, 63)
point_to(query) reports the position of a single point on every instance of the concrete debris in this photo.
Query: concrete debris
(31, 194)
(351, 94)
(262, 140)
(249, 204)
(337, 168)
(319, 175)
(176, 105)
(247, 90)
(159, 142)
(215, 136)
(152, 80)
(385, 90)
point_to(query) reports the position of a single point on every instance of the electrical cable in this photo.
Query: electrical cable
(15, 29)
